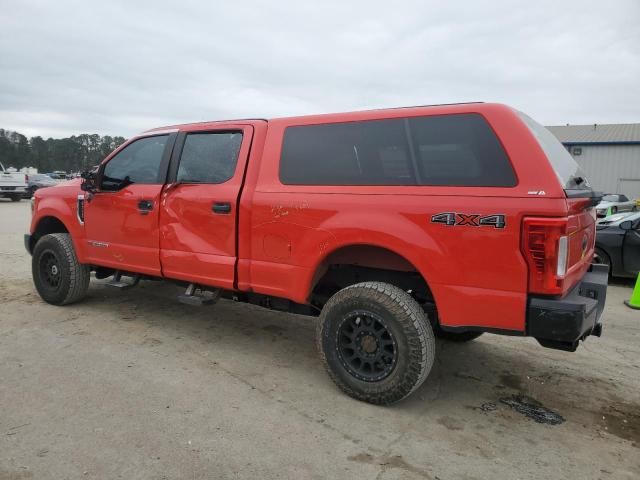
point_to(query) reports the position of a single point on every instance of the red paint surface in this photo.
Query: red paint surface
(277, 236)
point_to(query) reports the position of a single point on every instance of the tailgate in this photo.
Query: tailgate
(582, 237)
(12, 179)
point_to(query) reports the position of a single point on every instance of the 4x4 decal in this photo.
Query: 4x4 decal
(471, 220)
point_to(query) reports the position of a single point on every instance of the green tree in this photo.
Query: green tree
(70, 154)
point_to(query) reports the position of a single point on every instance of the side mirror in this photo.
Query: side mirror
(89, 181)
(626, 225)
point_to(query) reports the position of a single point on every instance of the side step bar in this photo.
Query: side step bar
(198, 297)
(116, 281)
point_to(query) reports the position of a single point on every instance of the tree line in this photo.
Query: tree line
(71, 154)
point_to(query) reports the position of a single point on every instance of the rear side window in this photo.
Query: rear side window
(567, 169)
(209, 157)
(138, 162)
(452, 150)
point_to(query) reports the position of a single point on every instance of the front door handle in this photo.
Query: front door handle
(145, 206)
(221, 207)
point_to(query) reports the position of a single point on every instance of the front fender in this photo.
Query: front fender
(62, 209)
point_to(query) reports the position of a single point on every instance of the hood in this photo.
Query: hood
(606, 204)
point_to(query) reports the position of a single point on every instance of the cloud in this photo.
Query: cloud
(121, 67)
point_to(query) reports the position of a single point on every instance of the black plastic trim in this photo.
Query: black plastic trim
(470, 328)
(595, 197)
(562, 322)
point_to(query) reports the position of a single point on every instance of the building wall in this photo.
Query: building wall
(611, 168)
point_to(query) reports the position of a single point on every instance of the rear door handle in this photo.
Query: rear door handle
(145, 206)
(221, 207)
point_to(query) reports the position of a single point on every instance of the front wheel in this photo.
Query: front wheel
(375, 342)
(58, 276)
(16, 198)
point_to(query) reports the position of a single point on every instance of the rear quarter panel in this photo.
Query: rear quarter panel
(477, 274)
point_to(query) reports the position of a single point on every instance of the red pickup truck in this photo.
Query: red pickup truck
(393, 226)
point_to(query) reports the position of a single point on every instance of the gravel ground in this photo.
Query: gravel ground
(134, 385)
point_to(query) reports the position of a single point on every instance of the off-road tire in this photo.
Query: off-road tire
(72, 277)
(459, 337)
(405, 320)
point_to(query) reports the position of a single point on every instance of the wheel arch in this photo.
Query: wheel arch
(356, 262)
(46, 225)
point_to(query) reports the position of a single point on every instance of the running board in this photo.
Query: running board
(116, 281)
(197, 297)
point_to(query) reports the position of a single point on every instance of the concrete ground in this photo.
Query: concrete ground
(137, 386)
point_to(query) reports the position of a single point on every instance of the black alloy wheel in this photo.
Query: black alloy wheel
(50, 271)
(366, 347)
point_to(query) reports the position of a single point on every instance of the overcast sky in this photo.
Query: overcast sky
(119, 67)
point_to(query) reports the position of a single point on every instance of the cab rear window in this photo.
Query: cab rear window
(452, 150)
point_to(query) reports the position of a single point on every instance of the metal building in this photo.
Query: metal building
(608, 154)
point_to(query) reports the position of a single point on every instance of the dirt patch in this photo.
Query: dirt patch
(275, 329)
(622, 420)
(388, 462)
(512, 381)
(451, 423)
(15, 475)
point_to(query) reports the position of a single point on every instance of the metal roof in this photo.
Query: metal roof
(609, 133)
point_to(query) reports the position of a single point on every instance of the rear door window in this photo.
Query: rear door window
(451, 150)
(209, 157)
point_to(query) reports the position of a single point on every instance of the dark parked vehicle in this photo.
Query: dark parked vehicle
(37, 181)
(618, 244)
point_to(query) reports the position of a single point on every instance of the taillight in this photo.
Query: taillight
(26, 178)
(545, 246)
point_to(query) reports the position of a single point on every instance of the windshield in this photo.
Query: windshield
(567, 169)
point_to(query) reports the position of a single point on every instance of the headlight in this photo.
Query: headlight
(33, 205)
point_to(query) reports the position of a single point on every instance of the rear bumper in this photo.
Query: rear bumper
(8, 191)
(562, 323)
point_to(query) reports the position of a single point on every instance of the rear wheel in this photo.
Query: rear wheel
(375, 342)
(58, 276)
